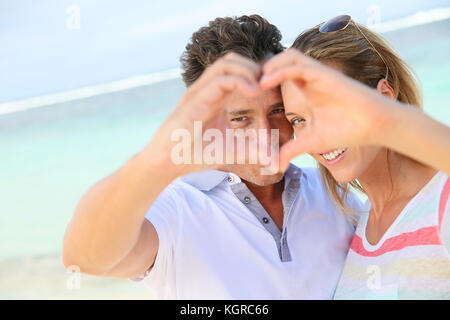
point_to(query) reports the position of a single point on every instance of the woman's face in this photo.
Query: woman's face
(345, 164)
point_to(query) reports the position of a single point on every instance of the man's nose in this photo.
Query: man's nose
(281, 128)
(264, 130)
(265, 123)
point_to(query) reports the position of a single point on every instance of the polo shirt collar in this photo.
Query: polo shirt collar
(293, 173)
(208, 180)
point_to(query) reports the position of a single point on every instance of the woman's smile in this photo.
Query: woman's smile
(334, 156)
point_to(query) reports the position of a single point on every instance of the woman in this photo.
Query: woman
(378, 141)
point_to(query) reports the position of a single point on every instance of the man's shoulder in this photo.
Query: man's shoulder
(310, 177)
(310, 172)
(184, 194)
(194, 183)
(313, 187)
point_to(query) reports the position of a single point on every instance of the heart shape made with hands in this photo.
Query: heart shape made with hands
(335, 111)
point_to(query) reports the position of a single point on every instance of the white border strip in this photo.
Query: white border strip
(420, 18)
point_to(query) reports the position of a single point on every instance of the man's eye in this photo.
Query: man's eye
(296, 121)
(239, 119)
(277, 111)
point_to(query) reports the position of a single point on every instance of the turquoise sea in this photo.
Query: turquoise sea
(50, 155)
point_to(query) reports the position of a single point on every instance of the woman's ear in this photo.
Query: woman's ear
(385, 89)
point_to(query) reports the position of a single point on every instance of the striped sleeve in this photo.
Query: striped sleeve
(444, 215)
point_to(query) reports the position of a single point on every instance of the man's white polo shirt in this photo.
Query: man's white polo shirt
(216, 241)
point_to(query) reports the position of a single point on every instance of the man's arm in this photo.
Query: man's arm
(108, 234)
(141, 258)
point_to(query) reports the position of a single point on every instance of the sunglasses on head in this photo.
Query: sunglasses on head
(340, 23)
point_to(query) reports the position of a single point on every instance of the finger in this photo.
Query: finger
(246, 62)
(221, 85)
(231, 64)
(292, 58)
(300, 75)
(286, 58)
(291, 150)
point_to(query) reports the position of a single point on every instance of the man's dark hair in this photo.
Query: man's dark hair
(251, 36)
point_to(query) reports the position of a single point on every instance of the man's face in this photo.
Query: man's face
(265, 111)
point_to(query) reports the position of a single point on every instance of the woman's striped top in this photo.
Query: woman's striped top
(412, 259)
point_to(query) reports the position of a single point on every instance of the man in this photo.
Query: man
(234, 232)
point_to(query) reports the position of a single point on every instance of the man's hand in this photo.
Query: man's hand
(126, 244)
(203, 101)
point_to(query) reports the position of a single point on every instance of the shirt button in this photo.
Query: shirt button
(247, 200)
(265, 220)
(230, 179)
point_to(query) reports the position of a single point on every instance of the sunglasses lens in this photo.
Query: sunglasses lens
(335, 24)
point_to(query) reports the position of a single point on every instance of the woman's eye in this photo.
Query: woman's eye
(239, 119)
(296, 121)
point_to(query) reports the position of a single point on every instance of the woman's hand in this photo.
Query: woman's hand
(342, 111)
(345, 112)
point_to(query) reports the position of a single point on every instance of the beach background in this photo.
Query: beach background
(85, 85)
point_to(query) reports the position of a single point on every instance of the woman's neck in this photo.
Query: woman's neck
(393, 177)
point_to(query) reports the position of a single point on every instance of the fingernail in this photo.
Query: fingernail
(253, 86)
(263, 78)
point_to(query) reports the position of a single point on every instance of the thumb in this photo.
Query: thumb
(291, 150)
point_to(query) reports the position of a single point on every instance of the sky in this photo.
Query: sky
(51, 46)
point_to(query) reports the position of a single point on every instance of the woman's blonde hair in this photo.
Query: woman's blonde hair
(350, 50)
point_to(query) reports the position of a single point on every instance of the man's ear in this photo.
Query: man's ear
(385, 89)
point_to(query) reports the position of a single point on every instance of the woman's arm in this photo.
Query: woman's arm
(349, 113)
(411, 132)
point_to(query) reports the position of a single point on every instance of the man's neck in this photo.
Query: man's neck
(272, 191)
